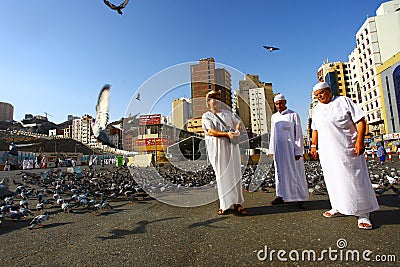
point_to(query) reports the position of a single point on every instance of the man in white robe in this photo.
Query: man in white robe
(286, 147)
(338, 130)
(223, 154)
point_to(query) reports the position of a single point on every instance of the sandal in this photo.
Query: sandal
(239, 209)
(331, 213)
(277, 201)
(222, 212)
(364, 223)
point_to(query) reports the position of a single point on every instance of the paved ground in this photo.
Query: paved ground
(150, 233)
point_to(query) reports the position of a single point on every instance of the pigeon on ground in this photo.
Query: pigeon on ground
(38, 220)
(118, 8)
(4, 191)
(100, 123)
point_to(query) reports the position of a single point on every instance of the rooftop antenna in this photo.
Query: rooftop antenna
(47, 114)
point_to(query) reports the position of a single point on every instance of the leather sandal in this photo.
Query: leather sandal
(222, 212)
(331, 213)
(240, 210)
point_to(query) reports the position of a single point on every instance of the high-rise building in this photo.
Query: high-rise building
(389, 78)
(338, 76)
(223, 84)
(204, 78)
(181, 108)
(377, 40)
(6, 111)
(246, 104)
(81, 130)
(260, 114)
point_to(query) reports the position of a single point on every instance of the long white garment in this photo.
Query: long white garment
(346, 175)
(225, 159)
(286, 142)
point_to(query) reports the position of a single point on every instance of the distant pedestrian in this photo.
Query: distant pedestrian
(381, 153)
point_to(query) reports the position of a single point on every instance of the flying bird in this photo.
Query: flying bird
(138, 97)
(118, 8)
(270, 48)
(100, 123)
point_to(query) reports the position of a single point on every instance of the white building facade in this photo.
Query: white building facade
(377, 40)
(258, 111)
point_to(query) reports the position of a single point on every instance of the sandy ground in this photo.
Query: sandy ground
(150, 233)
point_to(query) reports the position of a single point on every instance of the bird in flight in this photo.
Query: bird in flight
(138, 97)
(100, 123)
(118, 8)
(270, 48)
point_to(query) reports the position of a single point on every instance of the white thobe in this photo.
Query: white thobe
(346, 175)
(225, 159)
(286, 142)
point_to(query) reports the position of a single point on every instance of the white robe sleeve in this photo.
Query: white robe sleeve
(207, 123)
(271, 149)
(298, 135)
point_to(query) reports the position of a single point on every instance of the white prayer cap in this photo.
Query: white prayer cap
(279, 97)
(320, 85)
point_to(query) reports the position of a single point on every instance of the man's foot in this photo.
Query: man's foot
(331, 213)
(239, 209)
(364, 223)
(222, 212)
(277, 201)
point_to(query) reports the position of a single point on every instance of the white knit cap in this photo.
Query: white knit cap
(320, 85)
(279, 97)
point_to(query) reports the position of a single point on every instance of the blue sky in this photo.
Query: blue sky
(56, 55)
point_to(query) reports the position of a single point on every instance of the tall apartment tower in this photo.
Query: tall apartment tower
(6, 111)
(81, 129)
(338, 76)
(389, 78)
(223, 84)
(204, 78)
(377, 41)
(260, 114)
(247, 104)
(181, 108)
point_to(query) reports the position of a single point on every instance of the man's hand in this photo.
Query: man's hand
(314, 152)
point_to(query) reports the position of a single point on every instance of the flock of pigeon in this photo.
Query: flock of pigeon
(36, 195)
